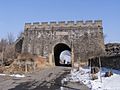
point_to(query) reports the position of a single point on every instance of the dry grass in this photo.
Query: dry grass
(33, 63)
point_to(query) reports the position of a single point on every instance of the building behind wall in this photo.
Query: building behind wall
(51, 38)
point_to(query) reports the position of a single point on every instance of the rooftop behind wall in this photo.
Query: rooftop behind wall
(64, 24)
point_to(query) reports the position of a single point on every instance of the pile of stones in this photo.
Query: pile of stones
(112, 49)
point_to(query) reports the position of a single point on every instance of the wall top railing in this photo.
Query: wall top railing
(64, 24)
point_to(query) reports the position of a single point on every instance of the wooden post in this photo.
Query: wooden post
(53, 59)
(100, 69)
(2, 57)
(90, 67)
(34, 65)
(50, 59)
(72, 56)
(25, 67)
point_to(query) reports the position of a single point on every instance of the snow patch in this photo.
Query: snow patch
(102, 83)
(17, 75)
(2, 74)
(13, 75)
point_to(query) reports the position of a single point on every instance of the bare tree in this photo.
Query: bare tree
(7, 49)
(10, 38)
(3, 44)
(19, 34)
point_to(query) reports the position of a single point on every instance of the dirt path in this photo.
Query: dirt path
(48, 79)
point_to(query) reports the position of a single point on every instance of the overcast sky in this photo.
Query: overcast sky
(14, 13)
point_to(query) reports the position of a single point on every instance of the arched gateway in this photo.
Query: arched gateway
(57, 51)
(47, 39)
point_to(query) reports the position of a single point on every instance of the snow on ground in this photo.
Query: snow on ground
(103, 83)
(2, 74)
(13, 75)
(17, 75)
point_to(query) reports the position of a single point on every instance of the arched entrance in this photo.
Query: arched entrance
(57, 50)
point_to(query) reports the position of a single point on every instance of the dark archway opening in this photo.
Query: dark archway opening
(18, 46)
(57, 50)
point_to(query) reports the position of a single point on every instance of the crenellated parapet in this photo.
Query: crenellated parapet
(49, 39)
(88, 23)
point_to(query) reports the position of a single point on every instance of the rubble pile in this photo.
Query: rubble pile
(1, 69)
(109, 73)
(41, 62)
(27, 63)
(112, 49)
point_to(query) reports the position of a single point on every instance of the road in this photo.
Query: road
(47, 79)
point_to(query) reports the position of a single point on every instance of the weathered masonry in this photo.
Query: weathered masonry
(50, 39)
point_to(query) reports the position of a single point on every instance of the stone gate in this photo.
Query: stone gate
(50, 39)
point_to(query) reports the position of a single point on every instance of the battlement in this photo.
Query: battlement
(87, 23)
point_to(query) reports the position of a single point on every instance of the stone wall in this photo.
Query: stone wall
(112, 49)
(112, 62)
(86, 38)
(111, 59)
